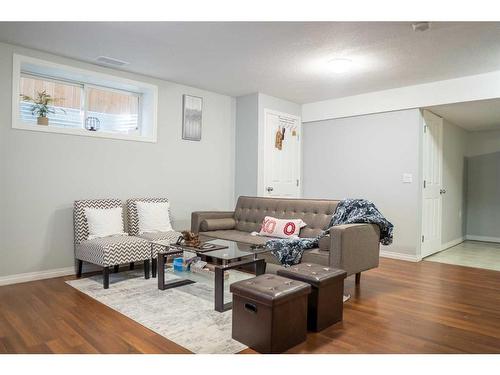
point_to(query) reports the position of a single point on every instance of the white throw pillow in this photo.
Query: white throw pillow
(153, 217)
(282, 228)
(103, 222)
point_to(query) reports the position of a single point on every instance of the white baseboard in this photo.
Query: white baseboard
(399, 256)
(32, 276)
(452, 243)
(482, 238)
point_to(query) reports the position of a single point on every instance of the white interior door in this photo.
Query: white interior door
(282, 155)
(432, 184)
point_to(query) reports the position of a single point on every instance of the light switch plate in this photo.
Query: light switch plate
(407, 178)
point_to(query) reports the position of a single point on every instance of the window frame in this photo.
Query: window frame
(147, 131)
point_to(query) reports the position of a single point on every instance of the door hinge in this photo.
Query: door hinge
(422, 238)
(424, 184)
(425, 128)
(297, 182)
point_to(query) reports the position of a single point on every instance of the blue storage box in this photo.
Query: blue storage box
(178, 264)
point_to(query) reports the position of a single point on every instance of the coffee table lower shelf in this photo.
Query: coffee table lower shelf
(220, 306)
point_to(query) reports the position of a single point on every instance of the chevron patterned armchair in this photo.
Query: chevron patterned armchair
(106, 251)
(133, 227)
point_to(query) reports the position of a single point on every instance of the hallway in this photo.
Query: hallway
(470, 254)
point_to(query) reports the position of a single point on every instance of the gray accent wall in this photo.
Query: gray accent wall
(365, 157)
(483, 185)
(250, 121)
(41, 174)
(246, 145)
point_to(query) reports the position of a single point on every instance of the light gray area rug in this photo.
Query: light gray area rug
(184, 315)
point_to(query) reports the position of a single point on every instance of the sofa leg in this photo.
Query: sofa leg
(154, 266)
(146, 269)
(79, 265)
(131, 266)
(105, 275)
(116, 268)
(358, 278)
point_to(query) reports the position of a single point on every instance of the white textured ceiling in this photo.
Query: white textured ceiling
(472, 116)
(283, 59)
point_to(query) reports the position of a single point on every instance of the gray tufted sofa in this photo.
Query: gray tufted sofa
(353, 247)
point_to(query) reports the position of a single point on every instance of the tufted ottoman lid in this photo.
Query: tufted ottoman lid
(270, 289)
(313, 274)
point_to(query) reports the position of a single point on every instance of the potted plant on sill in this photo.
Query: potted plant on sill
(41, 106)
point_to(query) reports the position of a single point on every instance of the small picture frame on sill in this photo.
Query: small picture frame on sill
(192, 107)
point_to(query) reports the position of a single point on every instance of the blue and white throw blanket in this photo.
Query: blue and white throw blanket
(349, 211)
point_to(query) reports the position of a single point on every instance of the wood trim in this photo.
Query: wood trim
(400, 256)
(39, 275)
(473, 237)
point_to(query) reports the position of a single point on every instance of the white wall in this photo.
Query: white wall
(454, 181)
(463, 89)
(365, 157)
(42, 174)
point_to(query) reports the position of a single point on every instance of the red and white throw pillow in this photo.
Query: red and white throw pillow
(282, 228)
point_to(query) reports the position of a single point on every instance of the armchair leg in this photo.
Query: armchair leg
(154, 266)
(105, 275)
(131, 266)
(116, 268)
(146, 269)
(79, 268)
(358, 278)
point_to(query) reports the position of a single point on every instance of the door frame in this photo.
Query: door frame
(262, 150)
(422, 190)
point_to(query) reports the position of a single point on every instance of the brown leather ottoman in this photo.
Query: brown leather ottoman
(325, 303)
(270, 312)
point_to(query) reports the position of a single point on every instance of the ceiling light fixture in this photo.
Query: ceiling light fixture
(420, 26)
(111, 61)
(340, 65)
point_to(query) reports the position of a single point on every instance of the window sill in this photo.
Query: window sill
(81, 132)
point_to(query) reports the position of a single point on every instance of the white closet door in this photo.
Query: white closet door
(282, 164)
(433, 183)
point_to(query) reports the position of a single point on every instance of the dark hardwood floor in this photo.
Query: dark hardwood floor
(401, 307)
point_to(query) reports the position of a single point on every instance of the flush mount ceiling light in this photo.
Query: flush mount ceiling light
(420, 26)
(105, 60)
(340, 65)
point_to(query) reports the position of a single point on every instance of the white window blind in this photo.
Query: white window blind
(117, 111)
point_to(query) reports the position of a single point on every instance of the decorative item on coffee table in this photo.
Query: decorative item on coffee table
(190, 239)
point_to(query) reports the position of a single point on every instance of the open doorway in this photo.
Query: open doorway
(461, 198)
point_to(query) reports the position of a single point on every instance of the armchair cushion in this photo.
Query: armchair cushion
(110, 251)
(153, 217)
(132, 215)
(103, 222)
(217, 224)
(171, 236)
(80, 221)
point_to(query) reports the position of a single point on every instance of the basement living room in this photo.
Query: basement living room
(278, 187)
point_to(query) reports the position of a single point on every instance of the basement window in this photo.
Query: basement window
(81, 102)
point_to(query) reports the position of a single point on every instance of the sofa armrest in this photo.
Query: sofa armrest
(198, 216)
(354, 247)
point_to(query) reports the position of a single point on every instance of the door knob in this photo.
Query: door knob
(442, 191)
(269, 189)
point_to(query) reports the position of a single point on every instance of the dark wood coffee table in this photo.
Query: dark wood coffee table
(235, 255)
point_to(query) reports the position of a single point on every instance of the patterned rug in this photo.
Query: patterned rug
(184, 315)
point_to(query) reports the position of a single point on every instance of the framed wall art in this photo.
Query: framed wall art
(192, 107)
